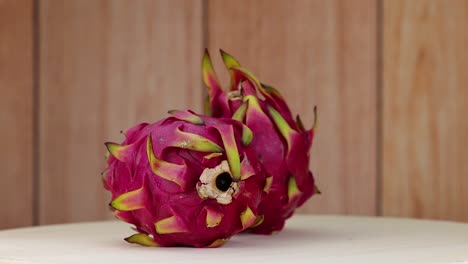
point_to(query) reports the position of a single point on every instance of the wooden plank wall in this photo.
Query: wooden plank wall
(105, 66)
(16, 113)
(389, 78)
(425, 103)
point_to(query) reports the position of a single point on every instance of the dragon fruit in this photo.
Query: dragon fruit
(282, 143)
(187, 180)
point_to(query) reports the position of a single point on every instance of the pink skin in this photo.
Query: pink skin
(164, 198)
(270, 145)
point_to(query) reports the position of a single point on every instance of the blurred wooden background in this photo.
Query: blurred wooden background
(390, 79)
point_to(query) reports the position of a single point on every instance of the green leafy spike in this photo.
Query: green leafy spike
(229, 60)
(232, 153)
(247, 135)
(130, 201)
(240, 112)
(142, 239)
(196, 142)
(187, 116)
(283, 126)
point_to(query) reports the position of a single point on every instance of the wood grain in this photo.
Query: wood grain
(105, 66)
(16, 113)
(317, 53)
(425, 81)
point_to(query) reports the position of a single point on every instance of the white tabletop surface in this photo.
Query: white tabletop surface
(306, 239)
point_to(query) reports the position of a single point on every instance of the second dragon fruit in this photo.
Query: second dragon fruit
(282, 143)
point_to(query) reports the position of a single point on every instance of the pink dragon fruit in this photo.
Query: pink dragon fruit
(282, 144)
(187, 180)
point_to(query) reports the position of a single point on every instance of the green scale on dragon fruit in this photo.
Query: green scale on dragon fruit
(187, 180)
(282, 143)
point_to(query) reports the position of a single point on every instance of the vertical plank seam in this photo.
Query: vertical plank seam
(379, 100)
(35, 109)
(205, 40)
